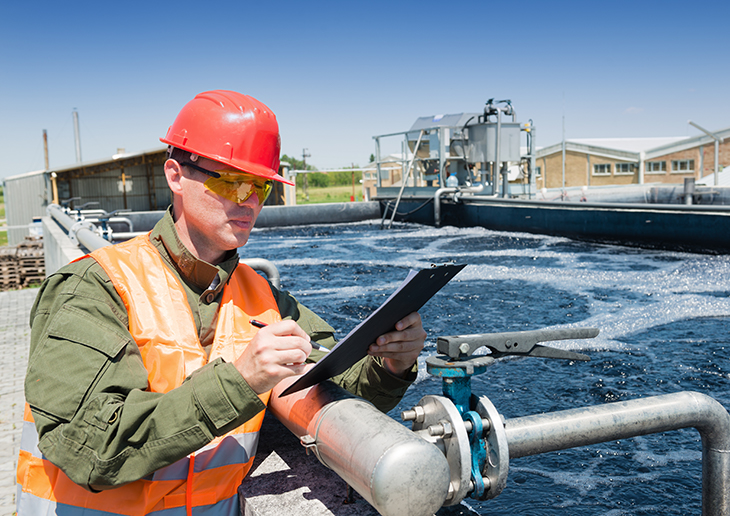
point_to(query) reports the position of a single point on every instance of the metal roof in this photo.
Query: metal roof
(688, 143)
(456, 120)
(594, 150)
(26, 174)
(111, 159)
(630, 148)
(629, 144)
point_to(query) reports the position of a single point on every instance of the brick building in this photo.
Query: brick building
(619, 161)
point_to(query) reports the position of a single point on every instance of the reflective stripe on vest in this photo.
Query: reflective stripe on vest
(162, 324)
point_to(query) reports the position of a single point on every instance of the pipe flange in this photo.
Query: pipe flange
(82, 224)
(440, 412)
(496, 466)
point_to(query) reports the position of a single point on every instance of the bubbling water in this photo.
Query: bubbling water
(664, 319)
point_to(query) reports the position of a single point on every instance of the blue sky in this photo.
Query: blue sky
(338, 73)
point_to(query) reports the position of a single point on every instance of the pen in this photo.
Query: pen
(260, 324)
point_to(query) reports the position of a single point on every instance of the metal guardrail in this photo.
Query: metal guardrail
(84, 233)
(542, 433)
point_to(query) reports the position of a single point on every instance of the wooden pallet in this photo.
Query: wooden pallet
(22, 265)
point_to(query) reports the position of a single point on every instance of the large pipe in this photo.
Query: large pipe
(395, 470)
(272, 216)
(497, 157)
(437, 203)
(83, 232)
(531, 435)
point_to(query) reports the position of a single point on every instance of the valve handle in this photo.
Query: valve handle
(519, 343)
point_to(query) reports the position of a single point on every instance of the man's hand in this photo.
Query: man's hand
(400, 348)
(276, 352)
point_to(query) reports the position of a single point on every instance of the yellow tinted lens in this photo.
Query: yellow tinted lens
(237, 188)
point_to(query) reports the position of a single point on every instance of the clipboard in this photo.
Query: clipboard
(411, 295)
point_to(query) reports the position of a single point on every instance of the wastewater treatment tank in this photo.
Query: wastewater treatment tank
(664, 319)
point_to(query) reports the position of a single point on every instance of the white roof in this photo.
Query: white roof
(629, 144)
(723, 178)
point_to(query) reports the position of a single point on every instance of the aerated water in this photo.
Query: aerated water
(664, 319)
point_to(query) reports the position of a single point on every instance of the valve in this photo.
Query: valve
(105, 231)
(79, 215)
(468, 429)
(66, 204)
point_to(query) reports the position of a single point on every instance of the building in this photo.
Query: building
(621, 161)
(125, 181)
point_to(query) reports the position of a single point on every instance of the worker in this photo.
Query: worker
(146, 382)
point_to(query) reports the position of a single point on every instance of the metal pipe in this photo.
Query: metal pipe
(127, 220)
(717, 150)
(394, 469)
(689, 190)
(265, 266)
(497, 164)
(111, 220)
(717, 162)
(405, 176)
(437, 203)
(442, 155)
(533, 179)
(458, 192)
(377, 160)
(82, 232)
(554, 431)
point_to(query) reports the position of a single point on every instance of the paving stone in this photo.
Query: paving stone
(15, 308)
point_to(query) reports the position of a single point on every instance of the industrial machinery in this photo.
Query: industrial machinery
(481, 150)
(460, 445)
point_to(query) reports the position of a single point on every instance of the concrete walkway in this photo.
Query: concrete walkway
(15, 308)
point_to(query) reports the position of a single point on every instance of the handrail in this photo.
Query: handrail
(541, 433)
(404, 179)
(84, 233)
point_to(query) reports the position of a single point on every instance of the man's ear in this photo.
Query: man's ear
(173, 174)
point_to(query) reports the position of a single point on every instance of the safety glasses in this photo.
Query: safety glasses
(233, 185)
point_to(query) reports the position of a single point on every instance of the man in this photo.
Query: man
(146, 380)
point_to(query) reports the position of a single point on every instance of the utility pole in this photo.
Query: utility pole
(54, 185)
(305, 183)
(45, 147)
(352, 198)
(77, 135)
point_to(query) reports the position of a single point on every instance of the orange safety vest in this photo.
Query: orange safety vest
(162, 324)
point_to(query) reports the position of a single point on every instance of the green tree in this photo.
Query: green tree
(344, 177)
(319, 179)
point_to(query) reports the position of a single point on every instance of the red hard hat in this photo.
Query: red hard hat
(230, 128)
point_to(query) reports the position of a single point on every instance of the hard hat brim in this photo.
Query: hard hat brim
(244, 166)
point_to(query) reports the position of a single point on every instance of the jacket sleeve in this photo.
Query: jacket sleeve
(368, 378)
(86, 387)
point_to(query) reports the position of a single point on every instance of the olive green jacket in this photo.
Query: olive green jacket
(86, 383)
